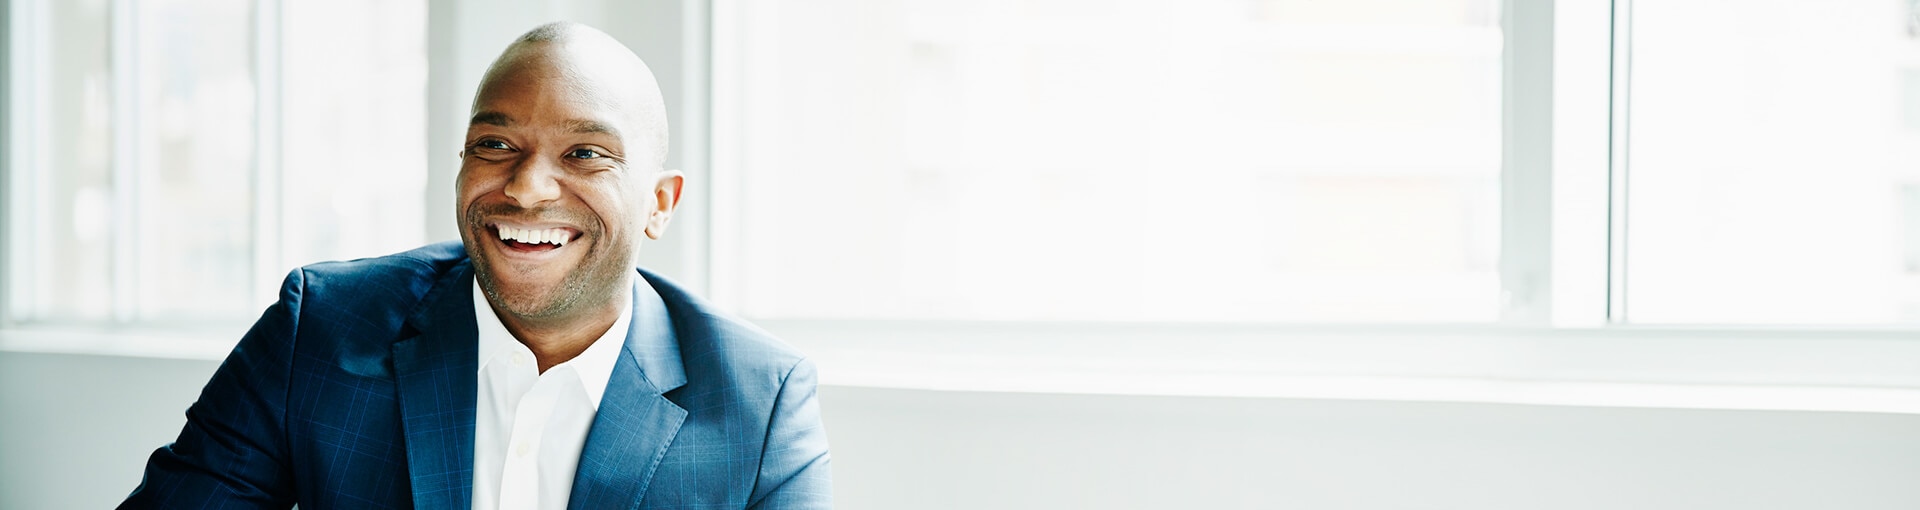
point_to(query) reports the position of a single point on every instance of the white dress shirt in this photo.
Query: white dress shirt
(529, 427)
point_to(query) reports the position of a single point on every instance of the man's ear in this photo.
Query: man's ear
(666, 196)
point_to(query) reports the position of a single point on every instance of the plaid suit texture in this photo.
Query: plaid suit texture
(356, 390)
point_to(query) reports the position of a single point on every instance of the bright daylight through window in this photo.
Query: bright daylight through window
(1775, 163)
(175, 158)
(1220, 160)
(1281, 161)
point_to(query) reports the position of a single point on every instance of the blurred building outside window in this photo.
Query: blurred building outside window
(1775, 163)
(174, 158)
(1301, 161)
(1217, 160)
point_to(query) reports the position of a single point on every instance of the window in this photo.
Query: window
(1225, 160)
(1211, 161)
(170, 160)
(1774, 174)
(1294, 160)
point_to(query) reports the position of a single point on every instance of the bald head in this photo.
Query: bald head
(579, 64)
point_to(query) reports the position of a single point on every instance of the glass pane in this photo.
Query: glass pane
(1775, 158)
(1223, 160)
(195, 94)
(69, 232)
(354, 110)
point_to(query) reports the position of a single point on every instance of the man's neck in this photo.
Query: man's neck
(554, 340)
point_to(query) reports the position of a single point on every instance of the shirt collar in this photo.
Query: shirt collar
(595, 365)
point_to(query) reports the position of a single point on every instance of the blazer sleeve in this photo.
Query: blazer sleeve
(794, 468)
(232, 453)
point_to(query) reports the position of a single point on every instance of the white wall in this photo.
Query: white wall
(910, 449)
(76, 429)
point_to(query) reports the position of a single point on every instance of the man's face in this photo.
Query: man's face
(550, 210)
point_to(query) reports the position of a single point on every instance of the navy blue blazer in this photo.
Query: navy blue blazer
(356, 390)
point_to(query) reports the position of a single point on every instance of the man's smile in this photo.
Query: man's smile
(532, 240)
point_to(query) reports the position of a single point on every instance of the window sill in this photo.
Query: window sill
(210, 342)
(1778, 370)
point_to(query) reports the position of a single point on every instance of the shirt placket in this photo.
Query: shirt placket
(520, 476)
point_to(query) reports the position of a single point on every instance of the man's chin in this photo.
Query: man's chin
(542, 285)
(514, 287)
(525, 303)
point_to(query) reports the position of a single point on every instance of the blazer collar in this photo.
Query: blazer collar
(636, 422)
(652, 341)
(435, 369)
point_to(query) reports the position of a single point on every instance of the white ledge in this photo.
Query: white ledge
(201, 342)
(1832, 371)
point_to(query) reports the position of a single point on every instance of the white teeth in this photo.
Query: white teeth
(554, 236)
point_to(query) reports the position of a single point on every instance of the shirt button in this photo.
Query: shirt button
(520, 359)
(521, 450)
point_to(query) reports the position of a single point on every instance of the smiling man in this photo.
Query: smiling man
(528, 366)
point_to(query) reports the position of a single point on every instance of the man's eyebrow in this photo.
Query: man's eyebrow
(490, 117)
(591, 126)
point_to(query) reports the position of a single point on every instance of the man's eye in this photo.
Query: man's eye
(491, 144)
(584, 154)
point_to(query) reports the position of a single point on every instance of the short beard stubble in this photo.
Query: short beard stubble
(588, 286)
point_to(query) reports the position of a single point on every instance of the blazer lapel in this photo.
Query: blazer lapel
(636, 422)
(436, 374)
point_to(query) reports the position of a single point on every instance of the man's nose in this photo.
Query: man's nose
(536, 180)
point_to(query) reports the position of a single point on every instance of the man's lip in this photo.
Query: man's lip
(532, 226)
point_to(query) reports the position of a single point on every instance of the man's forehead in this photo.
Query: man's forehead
(553, 90)
(581, 71)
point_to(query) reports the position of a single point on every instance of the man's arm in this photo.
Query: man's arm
(794, 471)
(232, 452)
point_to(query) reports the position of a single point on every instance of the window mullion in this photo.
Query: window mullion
(11, 173)
(267, 167)
(1621, 92)
(1526, 187)
(127, 153)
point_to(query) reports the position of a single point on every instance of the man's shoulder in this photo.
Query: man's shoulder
(426, 262)
(388, 286)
